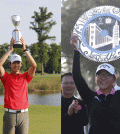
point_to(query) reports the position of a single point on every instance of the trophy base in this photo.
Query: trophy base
(17, 46)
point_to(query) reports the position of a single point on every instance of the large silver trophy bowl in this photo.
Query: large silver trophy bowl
(16, 34)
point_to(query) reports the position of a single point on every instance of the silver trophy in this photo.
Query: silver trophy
(16, 34)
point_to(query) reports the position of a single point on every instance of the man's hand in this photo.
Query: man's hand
(23, 43)
(11, 44)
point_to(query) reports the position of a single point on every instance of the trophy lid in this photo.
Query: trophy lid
(15, 20)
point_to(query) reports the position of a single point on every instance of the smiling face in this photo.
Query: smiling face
(68, 86)
(15, 66)
(105, 80)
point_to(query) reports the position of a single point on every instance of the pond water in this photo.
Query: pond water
(35, 99)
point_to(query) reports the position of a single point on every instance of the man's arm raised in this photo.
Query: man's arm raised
(32, 69)
(4, 57)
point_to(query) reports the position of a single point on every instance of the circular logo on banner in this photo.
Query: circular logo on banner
(98, 30)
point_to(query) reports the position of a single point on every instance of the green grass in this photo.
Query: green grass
(47, 82)
(40, 77)
(42, 119)
(42, 84)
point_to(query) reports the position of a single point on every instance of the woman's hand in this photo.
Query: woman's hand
(73, 41)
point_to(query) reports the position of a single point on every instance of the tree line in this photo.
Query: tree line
(51, 58)
(47, 56)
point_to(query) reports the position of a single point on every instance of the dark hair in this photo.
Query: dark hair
(65, 74)
(10, 62)
(115, 70)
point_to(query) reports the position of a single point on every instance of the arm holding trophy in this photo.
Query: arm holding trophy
(80, 83)
(32, 62)
(19, 43)
(5, 56)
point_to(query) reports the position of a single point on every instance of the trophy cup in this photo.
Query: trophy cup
(16, 34)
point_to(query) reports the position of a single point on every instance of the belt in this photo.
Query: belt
(16, 111)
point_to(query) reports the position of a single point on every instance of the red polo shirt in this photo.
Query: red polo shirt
(16, 90)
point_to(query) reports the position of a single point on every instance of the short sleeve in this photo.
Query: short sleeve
(3, 79)
(29, 78)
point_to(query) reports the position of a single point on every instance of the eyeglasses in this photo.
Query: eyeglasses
(107, 76)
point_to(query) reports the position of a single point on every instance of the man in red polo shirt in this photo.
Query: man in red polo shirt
(16, 119)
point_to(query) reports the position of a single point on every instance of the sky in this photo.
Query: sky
(26, 8)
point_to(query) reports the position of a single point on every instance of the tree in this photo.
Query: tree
(54, 63)
(42, 26)
(34, 52)
(3, 49)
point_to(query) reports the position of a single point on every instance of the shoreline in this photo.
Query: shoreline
(43, 91)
